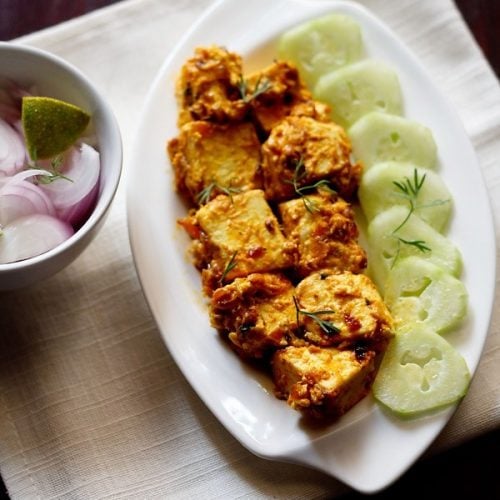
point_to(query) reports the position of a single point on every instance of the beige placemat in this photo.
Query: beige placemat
(92, 405)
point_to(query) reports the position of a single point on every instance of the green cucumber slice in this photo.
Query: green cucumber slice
(321, 45)
(358, 89)
(419, 293)
(378, 191)
(420, 372)
(379, 137)
(388, 244)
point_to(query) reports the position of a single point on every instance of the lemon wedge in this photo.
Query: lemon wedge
(51, 126)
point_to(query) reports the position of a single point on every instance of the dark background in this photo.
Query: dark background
(468, 471)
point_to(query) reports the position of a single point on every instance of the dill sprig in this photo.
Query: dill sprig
(410, 190)
(56, 165)
(262, 85)
(229, 267)
(327, 326)
(205, 194)
(298, 175)
(419, 244)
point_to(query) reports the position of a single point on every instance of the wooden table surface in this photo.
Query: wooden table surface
(469, 470)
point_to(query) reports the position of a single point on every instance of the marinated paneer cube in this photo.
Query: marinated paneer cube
(322, 226)
(276, 92)
(301, 151)
(210, 159)
(322, 382)
(235, 236)
(208, 87)
(256, 313)
(343, 310)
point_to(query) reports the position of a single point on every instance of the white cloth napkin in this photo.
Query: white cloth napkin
(92, 405)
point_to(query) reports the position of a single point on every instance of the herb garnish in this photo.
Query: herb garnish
(327, 326)
(298, 174)
(56, 164)
(409, 189)
(262, 85)
(419, 244)
(204, 195)
(229, 267)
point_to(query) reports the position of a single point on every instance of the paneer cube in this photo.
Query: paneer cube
(208, 87)
(301, 151)
(343, 310)
(322, 382)
(256, 313)
(322, 226)
(277, 91)
(236, 236)
(210, 159)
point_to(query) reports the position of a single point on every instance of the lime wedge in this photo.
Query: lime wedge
(51, 126)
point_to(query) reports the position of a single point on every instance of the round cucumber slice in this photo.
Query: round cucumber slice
(420, 372)
(395, 183)
(321, 45)
(379, 137)
(358, 89)
(393, 235)
(419, 293)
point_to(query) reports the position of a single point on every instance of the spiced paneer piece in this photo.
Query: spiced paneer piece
(322, 226)
(208, 87)
(256, 313)
(343, 310)
(322, 383)
(210, 159)
(276, 92)
(235, 236)
(301, 151)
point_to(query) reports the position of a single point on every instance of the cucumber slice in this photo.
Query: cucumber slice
(321, 45)
(378, 137)
(378, 192)
(358, 89)
(388, 244)
(420, 372)
(419, 293)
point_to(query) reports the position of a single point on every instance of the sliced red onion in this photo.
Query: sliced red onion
(73, 198)
(12, 150)
(18, 199)
(30, 236)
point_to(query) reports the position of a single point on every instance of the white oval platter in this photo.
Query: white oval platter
(367, 449)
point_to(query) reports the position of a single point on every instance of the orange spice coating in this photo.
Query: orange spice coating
(322, 226)
(357, 311)
(285, 94)
(210, 158)
(208, 86)
(322, 382)
(256, 313)
(321, 150)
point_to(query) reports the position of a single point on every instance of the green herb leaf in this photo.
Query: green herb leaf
(54, 171)
(203, 197)
(327, 326)
(229, 267)
(298, 174)
(420, 244)
(262, 85)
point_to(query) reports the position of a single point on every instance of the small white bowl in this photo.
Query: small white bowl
(54, 77)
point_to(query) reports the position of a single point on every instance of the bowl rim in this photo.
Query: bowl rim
(107, 192)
